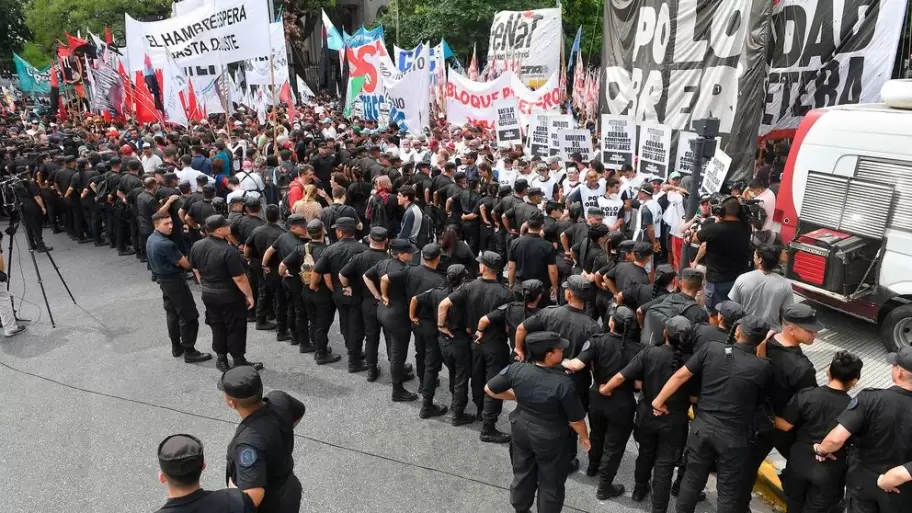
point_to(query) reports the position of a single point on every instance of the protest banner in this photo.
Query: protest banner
(403, 58)
(655, 149)
(369, 61)
(677, 61)
(618, 136)
(32, 79)
(409, 93)
(557, 123)
(575, 141)
(534, 38)
(473, 102)
(684, 156)
(828, 53)
(507, 124)
(209, 35)
(715, 172)
(538, 135)
(257, 70)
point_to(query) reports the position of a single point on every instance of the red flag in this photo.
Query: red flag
(54, 82)
(473, 66)
(285, 96)
(109, 38)
(190, 104)
(75, 42)
(145, 102)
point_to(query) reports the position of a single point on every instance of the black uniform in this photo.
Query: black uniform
(662, 438)
(881, 424)
(62, 178)
(110, 209)
(532, 256)
(428, 302)
(519, 214)
(259, 455)
(625, 275)
(199, 211)
(812, 486)
(31, 213)
(208, 501)
(180, 307)
(177, 234)
(268, 288)
(610, 417)
(413, 281)
(503, 321)
(318, 303)
(704, 333)
(473, 301)
(363, 304)
(291, 316)
(733, 383)
(146, 207)
(501, 238)
(331, 262)
(547, 402)
(217, 263)
(393, 317)
(130, 186)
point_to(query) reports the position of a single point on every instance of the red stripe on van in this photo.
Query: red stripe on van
(785, 213)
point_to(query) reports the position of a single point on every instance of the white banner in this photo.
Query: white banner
(538, 135)
(403, 58)
(715, 172)
(557, 123)
(683, 162)
(655, 149)
(409, 95)
(257, 69)
(829, 53)
(575, 141)
(470, 102)
(507, 123)
(534, 38)
(208, 35)
(618, 141)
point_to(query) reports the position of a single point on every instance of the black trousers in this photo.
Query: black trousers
(298, 322)
(470, 231)
(226, 315)
(370, 331)
(352, 328)
(610, 426)
(540, 463)
(108, 213)
(123, 228)
(398, 332)
(96, 223)
(864, 496)
(759, 450)
(660, 450)
(180, 311)
(709, 447)
(254, 276)
(133, 225)
(80, 225)
(66, 208)
(265, 305)
(320, 311)
(486, 238)
(281, 301)
(457, 356)
(488, 359)
(425, 335)
(811, 486)
(53, 208)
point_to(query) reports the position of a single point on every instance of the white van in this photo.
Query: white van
(845, 205)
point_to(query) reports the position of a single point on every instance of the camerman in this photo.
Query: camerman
(728, 251)
(33, 210)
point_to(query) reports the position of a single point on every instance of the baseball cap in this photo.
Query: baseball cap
(241, 382)
(754, 328)
(729, 310)
(647, 188)
(803, 316)
(490, 259)
(296, 220)
(403, 246)
(626, 245)
(674, 175)
(903, 358)
(180, 455)
(431, 251)
(215, 221)
(541, 342)
(378, 234)
(678, 327)
(578, 285)
(691, 274)
(554, 159)
(456, 271)
(315, 226)
(345, 222)
(642, 249)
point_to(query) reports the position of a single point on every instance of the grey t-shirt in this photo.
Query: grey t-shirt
(764, 295)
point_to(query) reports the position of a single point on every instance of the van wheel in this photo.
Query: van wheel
(896, 329)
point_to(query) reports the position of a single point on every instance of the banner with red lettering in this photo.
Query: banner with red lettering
(470, 102)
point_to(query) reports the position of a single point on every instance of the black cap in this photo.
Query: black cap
(252, 201)
(647, 188)
(215, 221)
(490, 259)
(456, 271)
(296, 220)
(624, 316)
(754, 328)
(402, 246)
(431, 251)
(236, 199)
(534, 191)
(626, 245)
(378, 234)
(209, 188)
(803, 316)
(459, 176)
(578, 285)
(642, 249)
(315, 226)
(533, 287)
(729, 310)
(184, 184)
(541, 342)
(520, 185)
(180, 455)
(595, 212)
(903, 358)
(691, 274)
(345, 222)
(678, 327)
(241, 382)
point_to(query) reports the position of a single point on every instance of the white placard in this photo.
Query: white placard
(575, 141)
(715, 172)
(556, 123)
(507, 123)
(655, 149)
(618, 138)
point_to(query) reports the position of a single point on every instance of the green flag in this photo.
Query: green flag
(32, 79)
(355, 85)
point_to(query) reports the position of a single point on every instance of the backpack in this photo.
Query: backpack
(425, 232)
(285, 207)
(376, 212)
(307, 266)
(653, 333)
(102, 191)
(330, 214)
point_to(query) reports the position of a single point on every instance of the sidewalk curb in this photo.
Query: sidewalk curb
(769, 486)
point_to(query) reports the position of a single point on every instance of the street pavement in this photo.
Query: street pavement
(87, 403)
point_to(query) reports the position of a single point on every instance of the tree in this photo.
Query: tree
(14, 33)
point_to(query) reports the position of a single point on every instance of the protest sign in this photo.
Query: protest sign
(257, 70)
(575, 141)
(683, 162)
(32, 79)
(557, 123)
(507, 123)
(470, 102)
(715, 172)
(538, 135)
(369, 61)
(618, 135)
(534, 38)
(655, 149)
(409, 93)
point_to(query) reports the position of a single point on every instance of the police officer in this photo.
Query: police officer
(811, 486)
(473, 301)
(108, 204)
(291, 316)
(423, 313)
(734, 382)
(130, 186)
(880, 425)
(610, 417)
(392, 312)
(627, 274)
(331, 262)
(413, 281)
(241, 230)
(220, 270)
(501, 324)
(351, 277)
(316, 296)
(181, 460)
(168, 265)
(199, 211)
(661, 439)
(721, 326)
(33, 209)
(548, 407)
(514, 219)
(260, 454)
(531, 257)
(255, 246)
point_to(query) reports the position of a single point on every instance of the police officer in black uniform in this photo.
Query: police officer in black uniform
(721, 326)
(260, 455)
(473, 301)
(351, 276)
(255, 246)
(531, 257)
(107, 200)
(32, 207)
(331, 262)
(500, 325)
(130, 186)
(221, 271)
(627, 274)
(515, 219)
(610, 417)
(661, 439)
(241, 230)
(291, 317)
(548, 407)
(181, 460)
(413, 281)
(880, 425)
(734, 382)
(199, 211)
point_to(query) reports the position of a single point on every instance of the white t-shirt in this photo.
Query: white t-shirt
(151, 163)
(611, 208)
(506, 178)
(674, 214)
(768, 198)
(189, 174)
(251, 181)
(547, 186)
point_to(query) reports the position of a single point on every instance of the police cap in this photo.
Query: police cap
(903, 358)
(729, 310)
(456, 272)
(532, 288)
(403, 246)
(235, 200)
(180, 455)
(252, 201)
(378, 234)
(431, 251)
(754, 328)
(209, 188)
(578, 285)
(642, 249)
(315, 227)
(241, 382)
(345, 222)
(215, 221)
(541, 342)
(296, 220)
(691, 274)
(802, 315)
(678, 328)
(626, 245)
(490, 259)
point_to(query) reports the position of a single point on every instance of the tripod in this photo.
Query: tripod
(15, 211)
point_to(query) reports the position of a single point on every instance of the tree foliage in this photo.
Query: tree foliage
(13, 31)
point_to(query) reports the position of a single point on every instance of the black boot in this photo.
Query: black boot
(282, 336)
(432, 410)
(356, 366)
(264, 325)
(306, 348)
(221, 363)
(401, 395)
(609, 491)
(194, 356)
(326, 358)
(373, 372)
(176, 350)
(461, 419)
(491, 435)
(592, 469)
(240, 360)
(640, 491)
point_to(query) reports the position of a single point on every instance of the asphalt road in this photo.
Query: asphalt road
(86, 404)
